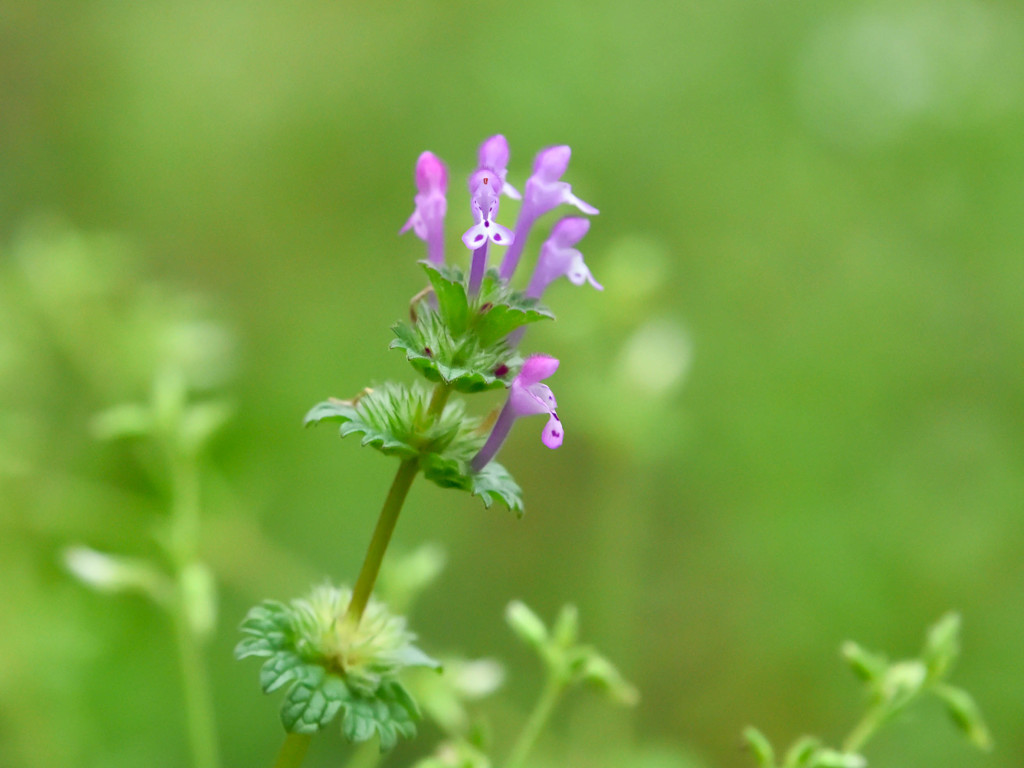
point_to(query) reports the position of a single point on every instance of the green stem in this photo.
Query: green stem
(198, 703)
(293, 751)
(381, 537)
(538, 720)
(389, 517)
(865, 729)
(185, 510)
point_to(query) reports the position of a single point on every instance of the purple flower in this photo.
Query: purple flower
(558, 258)
(427, 221)
(545, 191)
(485, 187)
(494, 156)
(526, 397)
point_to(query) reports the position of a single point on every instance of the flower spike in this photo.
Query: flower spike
(427, 220)
(558, 258)
(526, 397)
(545, 191)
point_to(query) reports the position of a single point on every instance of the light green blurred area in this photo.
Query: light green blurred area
(795, 415)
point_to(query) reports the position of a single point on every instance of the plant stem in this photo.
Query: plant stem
(381, 537)
(865, 729)
(538, 720)
(293, 751)
(198, 704)
(389, 517)
(185, 511)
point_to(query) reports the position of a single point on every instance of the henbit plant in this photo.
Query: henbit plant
(892, 688)
(340, 652)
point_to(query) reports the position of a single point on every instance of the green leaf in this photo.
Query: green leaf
(390, 713)
(942, 646)
(496, 322)
(760, 746)
(201, 421)
(463, 342)
(800, 754)
(605, 675)
(254, 646)
(902, 682)
(269, 629)
(128, 420)
(966, 714)
(393, 420)
(831, 758)
(329, 410)
(527, 625)
(280, 669)
(867, 666)
(458, 361)
(451, 297)
(492, 483)
(115, 573)
(313, 701)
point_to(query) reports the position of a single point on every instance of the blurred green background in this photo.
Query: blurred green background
(794, 416)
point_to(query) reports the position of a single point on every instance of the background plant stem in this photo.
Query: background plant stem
(198, 703)
(185, 511)
(865, 729)
(538, 720)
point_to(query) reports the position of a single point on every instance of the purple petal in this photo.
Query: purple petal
(494, 153)
(578, 272)
(537, 368)
(571, 199)
(552, 162)
(569, 231)
(500, 235)
(431, 174)
(552, 434)
(530, 400)
(475, 236)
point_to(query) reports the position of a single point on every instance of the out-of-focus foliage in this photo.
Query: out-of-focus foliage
(794, 415)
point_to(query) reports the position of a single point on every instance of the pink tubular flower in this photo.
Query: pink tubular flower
(427, 220)
(545, 191)
(558, 258)
(494, 156)
(526, 397)
(485, 187)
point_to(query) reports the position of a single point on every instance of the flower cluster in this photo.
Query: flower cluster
(544, 191)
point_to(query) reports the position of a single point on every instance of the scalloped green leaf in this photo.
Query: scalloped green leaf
(329, 410)
(497, 322)
(459, 362)
(450, 293)
(313, 701)
(462, 340)
(392, 419)
(390, 713)
(280, 669)
(254, 646)
(492, 483)
(268, 628)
